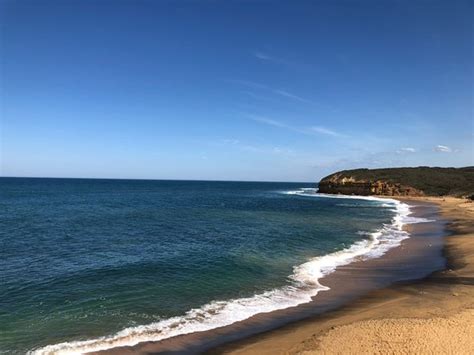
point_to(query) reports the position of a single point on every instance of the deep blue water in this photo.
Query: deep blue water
(83, 258)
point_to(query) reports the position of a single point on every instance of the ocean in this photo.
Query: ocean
(87, 264)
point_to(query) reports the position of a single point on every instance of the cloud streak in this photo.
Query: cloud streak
(292, 96)
(249, 83)
(326, 131)
(314, 130)
(443, 149)
(279, 92)
(263, 56)
(406, 150)
(269, 121)
(264, 149)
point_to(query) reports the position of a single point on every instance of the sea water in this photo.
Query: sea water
(91, 264)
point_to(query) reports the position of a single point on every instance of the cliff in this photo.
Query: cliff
(418, 181)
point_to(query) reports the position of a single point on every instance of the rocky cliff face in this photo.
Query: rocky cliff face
(349, 185)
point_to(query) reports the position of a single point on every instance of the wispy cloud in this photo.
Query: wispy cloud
(249, 83)
(287, 60)
(269, 121)
(257, 96)
(266, 57)
(269, 58)
(230, 141)
(279, 92)
(263, 56)
(292, 96)
(326, 131)
(280, 150)
(305, 130)
(443, 149)
(263, 149)
(406, 150)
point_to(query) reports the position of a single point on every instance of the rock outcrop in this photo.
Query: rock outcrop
(338, 184)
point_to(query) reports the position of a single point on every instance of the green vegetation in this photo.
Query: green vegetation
(432, 181)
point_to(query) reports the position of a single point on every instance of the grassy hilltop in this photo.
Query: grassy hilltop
(402, 181)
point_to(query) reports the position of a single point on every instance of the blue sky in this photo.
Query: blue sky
(233, 90)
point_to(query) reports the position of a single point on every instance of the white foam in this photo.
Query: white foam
(305, 285)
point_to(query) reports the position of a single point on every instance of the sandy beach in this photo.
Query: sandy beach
(434, 315)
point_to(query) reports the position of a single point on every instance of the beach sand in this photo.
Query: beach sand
(434, 315)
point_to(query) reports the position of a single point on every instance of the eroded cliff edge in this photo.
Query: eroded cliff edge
(419, 181)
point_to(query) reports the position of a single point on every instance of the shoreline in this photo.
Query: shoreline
(434, 314)
(375, 274)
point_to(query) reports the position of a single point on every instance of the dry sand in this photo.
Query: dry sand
(401, 336)
(434, 316)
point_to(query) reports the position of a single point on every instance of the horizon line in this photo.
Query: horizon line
(153, 179)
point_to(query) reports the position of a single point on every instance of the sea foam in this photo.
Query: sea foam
(305, 285)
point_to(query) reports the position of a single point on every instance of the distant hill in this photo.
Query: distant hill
(418, 181)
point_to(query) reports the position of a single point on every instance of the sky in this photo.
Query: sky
(233, 90)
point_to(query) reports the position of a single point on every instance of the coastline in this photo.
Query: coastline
(358, 278)
(434, 314)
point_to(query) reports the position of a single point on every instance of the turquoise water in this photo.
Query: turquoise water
(82, 258)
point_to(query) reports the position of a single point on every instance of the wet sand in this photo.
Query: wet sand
(298, 328)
